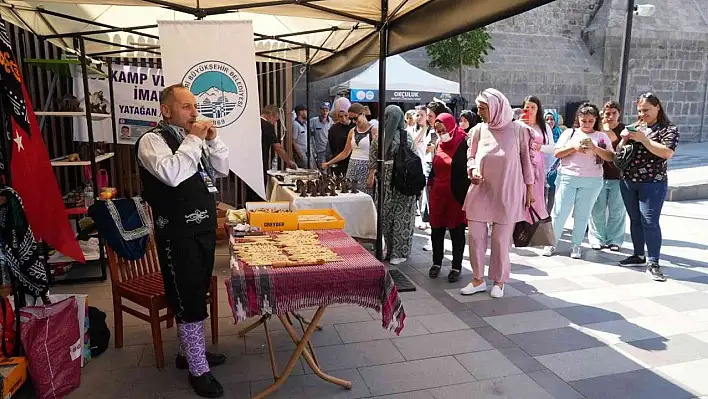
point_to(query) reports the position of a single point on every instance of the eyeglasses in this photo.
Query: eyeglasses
(648, 95)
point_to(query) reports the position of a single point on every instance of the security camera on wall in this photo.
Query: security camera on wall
(644, 10)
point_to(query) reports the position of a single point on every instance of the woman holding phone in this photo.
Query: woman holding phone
(579, 175)
(645, 148)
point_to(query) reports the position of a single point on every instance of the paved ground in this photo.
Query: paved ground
(566, 329)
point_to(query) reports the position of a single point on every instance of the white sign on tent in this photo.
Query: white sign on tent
(216, 61)
(136, 92)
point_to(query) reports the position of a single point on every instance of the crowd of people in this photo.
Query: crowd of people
(489, 170)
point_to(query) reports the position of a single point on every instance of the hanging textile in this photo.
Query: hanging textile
(30, 169)
(125, 225)
(21, 250)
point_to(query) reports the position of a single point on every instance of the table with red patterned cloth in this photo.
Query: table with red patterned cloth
(359, 279)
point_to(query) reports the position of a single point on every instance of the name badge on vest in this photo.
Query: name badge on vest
(208, 182)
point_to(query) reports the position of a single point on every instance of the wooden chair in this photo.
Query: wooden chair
(140, 281)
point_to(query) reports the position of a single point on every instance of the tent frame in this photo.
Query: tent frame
(382, 29)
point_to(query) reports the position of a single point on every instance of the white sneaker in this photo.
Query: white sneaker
(497, 292)
(428, 246)
(575, 252)
(397, 261)
(470, 289)
(596, 247)
(548, 251)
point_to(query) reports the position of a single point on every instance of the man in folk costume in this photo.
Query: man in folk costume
(178, 161)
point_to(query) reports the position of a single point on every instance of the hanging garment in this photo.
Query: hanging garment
(21, 251)
(124, 224)
(32, 173)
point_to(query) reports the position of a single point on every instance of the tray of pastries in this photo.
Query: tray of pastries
(286, 249)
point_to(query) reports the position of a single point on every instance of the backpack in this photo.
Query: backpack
(99, 334)
(408, 177)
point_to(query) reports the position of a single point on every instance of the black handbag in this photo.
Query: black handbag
(624, 157)
(538, 233)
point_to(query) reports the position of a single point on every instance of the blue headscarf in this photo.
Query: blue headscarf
(556, 128)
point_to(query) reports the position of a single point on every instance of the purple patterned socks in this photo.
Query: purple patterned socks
(193, 345)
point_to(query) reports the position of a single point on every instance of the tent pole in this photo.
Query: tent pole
(383, 52)
(117, 159)
(307, 106)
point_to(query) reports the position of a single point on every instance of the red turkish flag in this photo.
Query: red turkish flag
(34, 180)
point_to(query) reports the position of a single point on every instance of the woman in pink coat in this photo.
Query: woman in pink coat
(499, 166)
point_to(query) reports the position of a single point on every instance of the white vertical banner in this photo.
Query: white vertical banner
(216, 61)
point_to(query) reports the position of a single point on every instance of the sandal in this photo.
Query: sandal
(434, 271)
(614, 247)
(454, 276)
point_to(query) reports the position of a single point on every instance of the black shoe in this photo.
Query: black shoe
(655, 272)
(634, 260)
(434, 271)
(453, 276)
(206, 386)
(214, 359)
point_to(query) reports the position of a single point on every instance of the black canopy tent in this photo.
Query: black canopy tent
(327, 36)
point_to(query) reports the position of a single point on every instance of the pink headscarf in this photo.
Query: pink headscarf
(500, 112)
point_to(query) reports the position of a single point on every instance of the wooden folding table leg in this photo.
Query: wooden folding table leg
(306, 354)
(253, 326)
(305, 321)
(299, 350)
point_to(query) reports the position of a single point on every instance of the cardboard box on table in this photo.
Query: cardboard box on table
(272, 221)
(13, 373)
(337, 224)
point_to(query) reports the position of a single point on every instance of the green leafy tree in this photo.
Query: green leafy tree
(469, 48)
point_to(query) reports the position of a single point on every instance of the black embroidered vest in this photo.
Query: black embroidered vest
(178, 211)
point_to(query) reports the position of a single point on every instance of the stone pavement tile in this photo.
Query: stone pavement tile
(312, 386)
(582, 315)
(640, 384)
(611, 294)
(615, 332)
(543, 286)
(547, 342)
(450, 303)
(253, 368)
(521, 359)
(362, 354)
(658, 352)
(438, 323)
(119, 359)
(494, 337)
(489, 364)
(684, 302)
(139, 382)
(526, 322)
(588, 282)
(509, 291)
(505, 306)
(471, 319)
(414, 375)
(700, 315)
(588, 363)
(340, 314)
(631, 276)
(419, 307)
(698, 283)
(515, 386)
(372, 330)
(558, 388)
(408, 395)
(232, 391)
(646, 307)
(419, 293)
(442, 344)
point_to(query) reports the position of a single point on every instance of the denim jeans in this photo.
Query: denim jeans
(644, 202)
(608, 216)
(576, 194)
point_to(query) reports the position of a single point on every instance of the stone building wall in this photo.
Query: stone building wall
(569, 51)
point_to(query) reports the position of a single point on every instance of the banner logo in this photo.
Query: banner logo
(220, 91)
